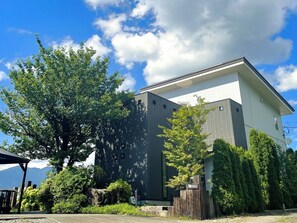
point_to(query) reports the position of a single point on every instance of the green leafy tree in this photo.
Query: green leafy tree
(223, 188)
(267, 164)
(185, 147)
(291, 174)
(59, 102)
(237, 179)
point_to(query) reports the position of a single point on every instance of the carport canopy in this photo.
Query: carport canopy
(10, 158)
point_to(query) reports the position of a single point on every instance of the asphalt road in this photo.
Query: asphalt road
(93, 218)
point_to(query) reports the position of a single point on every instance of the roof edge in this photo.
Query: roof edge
(218, 66)
(268, 84)
(212, 68)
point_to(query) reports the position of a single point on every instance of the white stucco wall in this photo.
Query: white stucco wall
(214, 89)
(258, 113)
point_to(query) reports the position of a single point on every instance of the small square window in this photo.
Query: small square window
(174, 110)
(164, 106)
(237, 109)
(154, 102)
(221, 108)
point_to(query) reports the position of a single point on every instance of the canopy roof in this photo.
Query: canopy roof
(10, 158)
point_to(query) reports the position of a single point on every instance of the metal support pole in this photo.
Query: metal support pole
(23, 185)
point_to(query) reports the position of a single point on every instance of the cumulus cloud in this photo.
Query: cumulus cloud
(135, 48)
(292, 102)
(140, 10)
(94, 4)
(3, 75)
(285, 78)
(189, 35)
(93, 42)
(111, 26)
(128, 84)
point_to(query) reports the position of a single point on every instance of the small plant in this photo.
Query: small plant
(30, 200)
(124, 208)
(121, 189)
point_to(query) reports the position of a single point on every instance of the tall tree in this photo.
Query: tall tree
(266, 161)
(223, 185)
(185, 146)
(59, 101)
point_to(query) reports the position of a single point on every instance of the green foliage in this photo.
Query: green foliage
(124, 208)
(65, 191)
(30, 200)
(237, 179)
(71, 181)
(223, 189)
(70, 206)
(45, 197)
(59, 101)
(235, 184)
(291, 174)
(267, 165)
(121, 189)
(185, 147)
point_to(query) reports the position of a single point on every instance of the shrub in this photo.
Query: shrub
(124, 208)
(65, 191)
(236, 186)
(267, 164)
(45, 196)
(71, 181)
(30, 200)
(121, 189)
(70, 206)
(223, 190)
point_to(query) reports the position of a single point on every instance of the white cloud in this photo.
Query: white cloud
(111, 26)
(292, 102)
(128, 84)
(7, 166)
(99, 3)
(20, 31)
(93, 42)
(3, 75)
(140, 10)
(8, 65)
(196, 34)
(285, 78)
(32, 164)
(38, 164)
(135, 48)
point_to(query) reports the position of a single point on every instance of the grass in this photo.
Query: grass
(124, 209)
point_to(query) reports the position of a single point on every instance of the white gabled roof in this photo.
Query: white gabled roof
(241, 66)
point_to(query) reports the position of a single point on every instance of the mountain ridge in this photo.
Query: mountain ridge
(12, 177)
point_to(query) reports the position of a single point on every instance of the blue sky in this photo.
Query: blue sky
(148, 41)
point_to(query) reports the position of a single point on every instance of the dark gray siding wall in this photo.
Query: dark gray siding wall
(122, 153)
(238, 125)
(131, 149)
(225, 122)
(158, 110)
